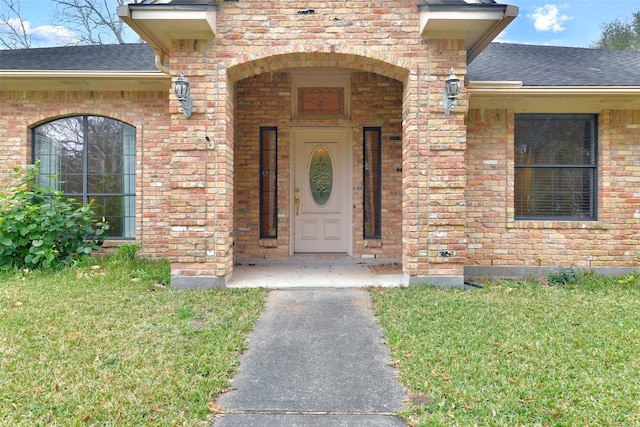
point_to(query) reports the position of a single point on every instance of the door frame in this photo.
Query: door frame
(348, 134)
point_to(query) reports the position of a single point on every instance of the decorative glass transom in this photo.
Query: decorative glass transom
(321, 175)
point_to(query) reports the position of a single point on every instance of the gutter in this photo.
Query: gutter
(169, 6)
(153, 75)
(44, 80)
(518, 89)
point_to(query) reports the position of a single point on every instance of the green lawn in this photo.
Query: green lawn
(113, 345)
(518, 354)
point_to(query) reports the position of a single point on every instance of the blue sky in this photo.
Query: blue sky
(546, 22)
(564, 23)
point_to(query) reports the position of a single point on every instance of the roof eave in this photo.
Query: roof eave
(11, 80)
(477, 24)
(518, 88)
(150, 21)
(513, 95)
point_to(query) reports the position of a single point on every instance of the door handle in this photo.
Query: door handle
(297, 202)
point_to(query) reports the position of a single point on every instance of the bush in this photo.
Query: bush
(564, 276)
(39, 228)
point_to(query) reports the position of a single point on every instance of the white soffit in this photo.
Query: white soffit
(478, 26)
(160, 23)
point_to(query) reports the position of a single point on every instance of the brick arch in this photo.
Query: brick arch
(357, 58)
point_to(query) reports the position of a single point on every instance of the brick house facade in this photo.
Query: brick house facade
(278, 91)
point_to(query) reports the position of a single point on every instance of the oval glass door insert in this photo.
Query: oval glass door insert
(321, 175)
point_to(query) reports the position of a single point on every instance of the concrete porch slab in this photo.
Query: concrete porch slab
(318, 274)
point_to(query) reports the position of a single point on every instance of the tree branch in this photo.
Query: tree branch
(14, 33)
(93, 20)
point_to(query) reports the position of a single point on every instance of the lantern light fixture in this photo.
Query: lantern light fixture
(183, 93)
(451, 92)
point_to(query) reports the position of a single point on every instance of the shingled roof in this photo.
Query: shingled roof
(533, 65)
(556, 66)
(114, 57)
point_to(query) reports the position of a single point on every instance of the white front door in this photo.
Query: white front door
(322, 190)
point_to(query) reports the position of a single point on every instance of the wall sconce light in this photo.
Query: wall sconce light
(451, 92)
(181, 89)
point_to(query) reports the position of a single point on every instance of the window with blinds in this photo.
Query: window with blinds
(555, 166)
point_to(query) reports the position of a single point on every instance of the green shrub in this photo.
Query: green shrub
(563, 276)
(40, 228)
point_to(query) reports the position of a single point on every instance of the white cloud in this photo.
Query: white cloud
(548, 18)
(43, 35)
(50, 35)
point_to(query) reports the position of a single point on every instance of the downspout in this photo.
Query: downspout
(160, 58)
(124, 13)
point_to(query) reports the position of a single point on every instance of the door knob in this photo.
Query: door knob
(297, 202)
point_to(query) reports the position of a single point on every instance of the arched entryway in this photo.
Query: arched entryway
(318, 157)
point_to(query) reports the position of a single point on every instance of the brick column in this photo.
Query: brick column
(434, 172)
(201, 173)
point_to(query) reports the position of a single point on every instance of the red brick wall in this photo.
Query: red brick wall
(496, 239)
(383, 37)
(147, 111)
(384, 26)
(262, 100)
(195, 183)
(265, 100)
(377, 102)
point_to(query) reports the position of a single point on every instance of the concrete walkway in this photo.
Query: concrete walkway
(316, 358)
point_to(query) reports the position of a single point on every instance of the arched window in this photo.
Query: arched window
(91, 158)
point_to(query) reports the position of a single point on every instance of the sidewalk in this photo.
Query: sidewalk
(316, 358)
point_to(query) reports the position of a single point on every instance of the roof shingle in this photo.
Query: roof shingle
(533, 65)
(556, 66)
(115, 57)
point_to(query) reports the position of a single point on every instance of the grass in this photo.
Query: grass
(111, 344)
(518, 353)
